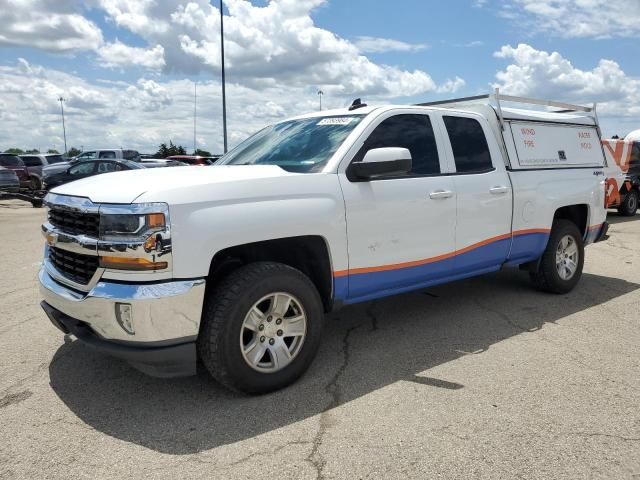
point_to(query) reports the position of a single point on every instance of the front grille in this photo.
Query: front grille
(74, 266)
(75, 223)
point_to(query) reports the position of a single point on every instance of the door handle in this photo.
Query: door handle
(498, 190)
(440, 194)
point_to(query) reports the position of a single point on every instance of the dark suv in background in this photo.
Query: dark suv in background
(15, 163)
(35, 162)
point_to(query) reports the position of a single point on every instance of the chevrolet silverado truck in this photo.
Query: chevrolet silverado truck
(234, 265)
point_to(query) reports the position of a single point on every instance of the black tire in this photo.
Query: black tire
(629, 206)
(34, 184)
(547, 278)
(223, 315)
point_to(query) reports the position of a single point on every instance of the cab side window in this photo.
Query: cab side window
(413, 132)
(83, 169)
(87, 155)
(104, 167)
(107, 154)
(469, 144)
(32, 161)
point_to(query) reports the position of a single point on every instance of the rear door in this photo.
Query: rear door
(483, 195)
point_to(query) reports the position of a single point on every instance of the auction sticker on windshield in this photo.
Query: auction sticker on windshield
(336, 121)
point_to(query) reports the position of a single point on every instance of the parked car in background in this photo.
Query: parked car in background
(35, 162)
(8, 180)
(623, 173)
(107, 153)
(87, 168)
(15, 163)
(110, 153)
(161, 162)
(194, 159)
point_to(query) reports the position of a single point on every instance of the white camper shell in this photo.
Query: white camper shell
(568, 137)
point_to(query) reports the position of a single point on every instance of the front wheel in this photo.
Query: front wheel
(629, 205)
(561, 263)
(261, 328)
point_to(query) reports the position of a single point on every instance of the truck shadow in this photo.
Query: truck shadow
(365, 348)
(614, 218)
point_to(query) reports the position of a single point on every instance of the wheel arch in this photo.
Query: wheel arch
(310, 254)
(578, 214)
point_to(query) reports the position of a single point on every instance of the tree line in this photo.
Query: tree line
(164, 151)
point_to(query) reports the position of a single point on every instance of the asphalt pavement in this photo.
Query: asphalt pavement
(484, 378)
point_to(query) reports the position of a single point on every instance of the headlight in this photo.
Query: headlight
(135, 237)
(128, 225)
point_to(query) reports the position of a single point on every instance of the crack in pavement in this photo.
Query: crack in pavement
(315, 458)
(14, 398)
(372, 315)
(504, 317)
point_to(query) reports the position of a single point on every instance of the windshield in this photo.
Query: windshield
(302, 146)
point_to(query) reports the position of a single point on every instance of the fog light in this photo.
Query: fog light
(124, 317)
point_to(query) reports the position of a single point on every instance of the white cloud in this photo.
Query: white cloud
(48, 25)
(577, 18)
(277, 44)
(117, 54)
(537, 73)
(380, 45)
(451, 86)
(137, 115)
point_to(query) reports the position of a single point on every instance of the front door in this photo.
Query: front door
(400, 230)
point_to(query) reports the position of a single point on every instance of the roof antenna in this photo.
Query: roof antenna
(357, 103)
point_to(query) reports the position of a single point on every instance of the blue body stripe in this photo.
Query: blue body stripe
(487, 258)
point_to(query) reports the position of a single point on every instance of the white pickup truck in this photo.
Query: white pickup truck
(237, 263)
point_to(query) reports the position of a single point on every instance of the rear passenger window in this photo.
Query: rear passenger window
(31, 161)
(107, 155)
(469, 144)
(413, 132)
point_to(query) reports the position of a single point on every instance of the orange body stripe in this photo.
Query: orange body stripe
(425, 261)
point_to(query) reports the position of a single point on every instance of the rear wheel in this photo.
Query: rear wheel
(261, 328)
(34, 184)
(561, 263)
(629, 205)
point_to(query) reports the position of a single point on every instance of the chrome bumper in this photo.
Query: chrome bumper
(161, 313)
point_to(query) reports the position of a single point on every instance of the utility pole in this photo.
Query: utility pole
(64, 130)
(224, 91)
(320, 94)
(195, 102)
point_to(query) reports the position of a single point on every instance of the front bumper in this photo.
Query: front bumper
(165, 318)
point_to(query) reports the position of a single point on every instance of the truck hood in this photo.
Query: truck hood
(126, 187)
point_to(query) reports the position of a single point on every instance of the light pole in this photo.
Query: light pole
(224, 91)
(195, 100)
(64, 130)
(320, 94)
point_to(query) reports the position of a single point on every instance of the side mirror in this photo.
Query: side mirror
(382, 162)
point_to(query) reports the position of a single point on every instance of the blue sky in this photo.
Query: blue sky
(118, 62)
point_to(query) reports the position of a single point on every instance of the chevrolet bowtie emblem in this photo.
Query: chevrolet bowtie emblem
(52, 239)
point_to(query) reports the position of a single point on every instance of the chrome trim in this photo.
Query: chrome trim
(160, 311)
(66, 241)
(114, 246)
(58, 276)
(80, 204)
